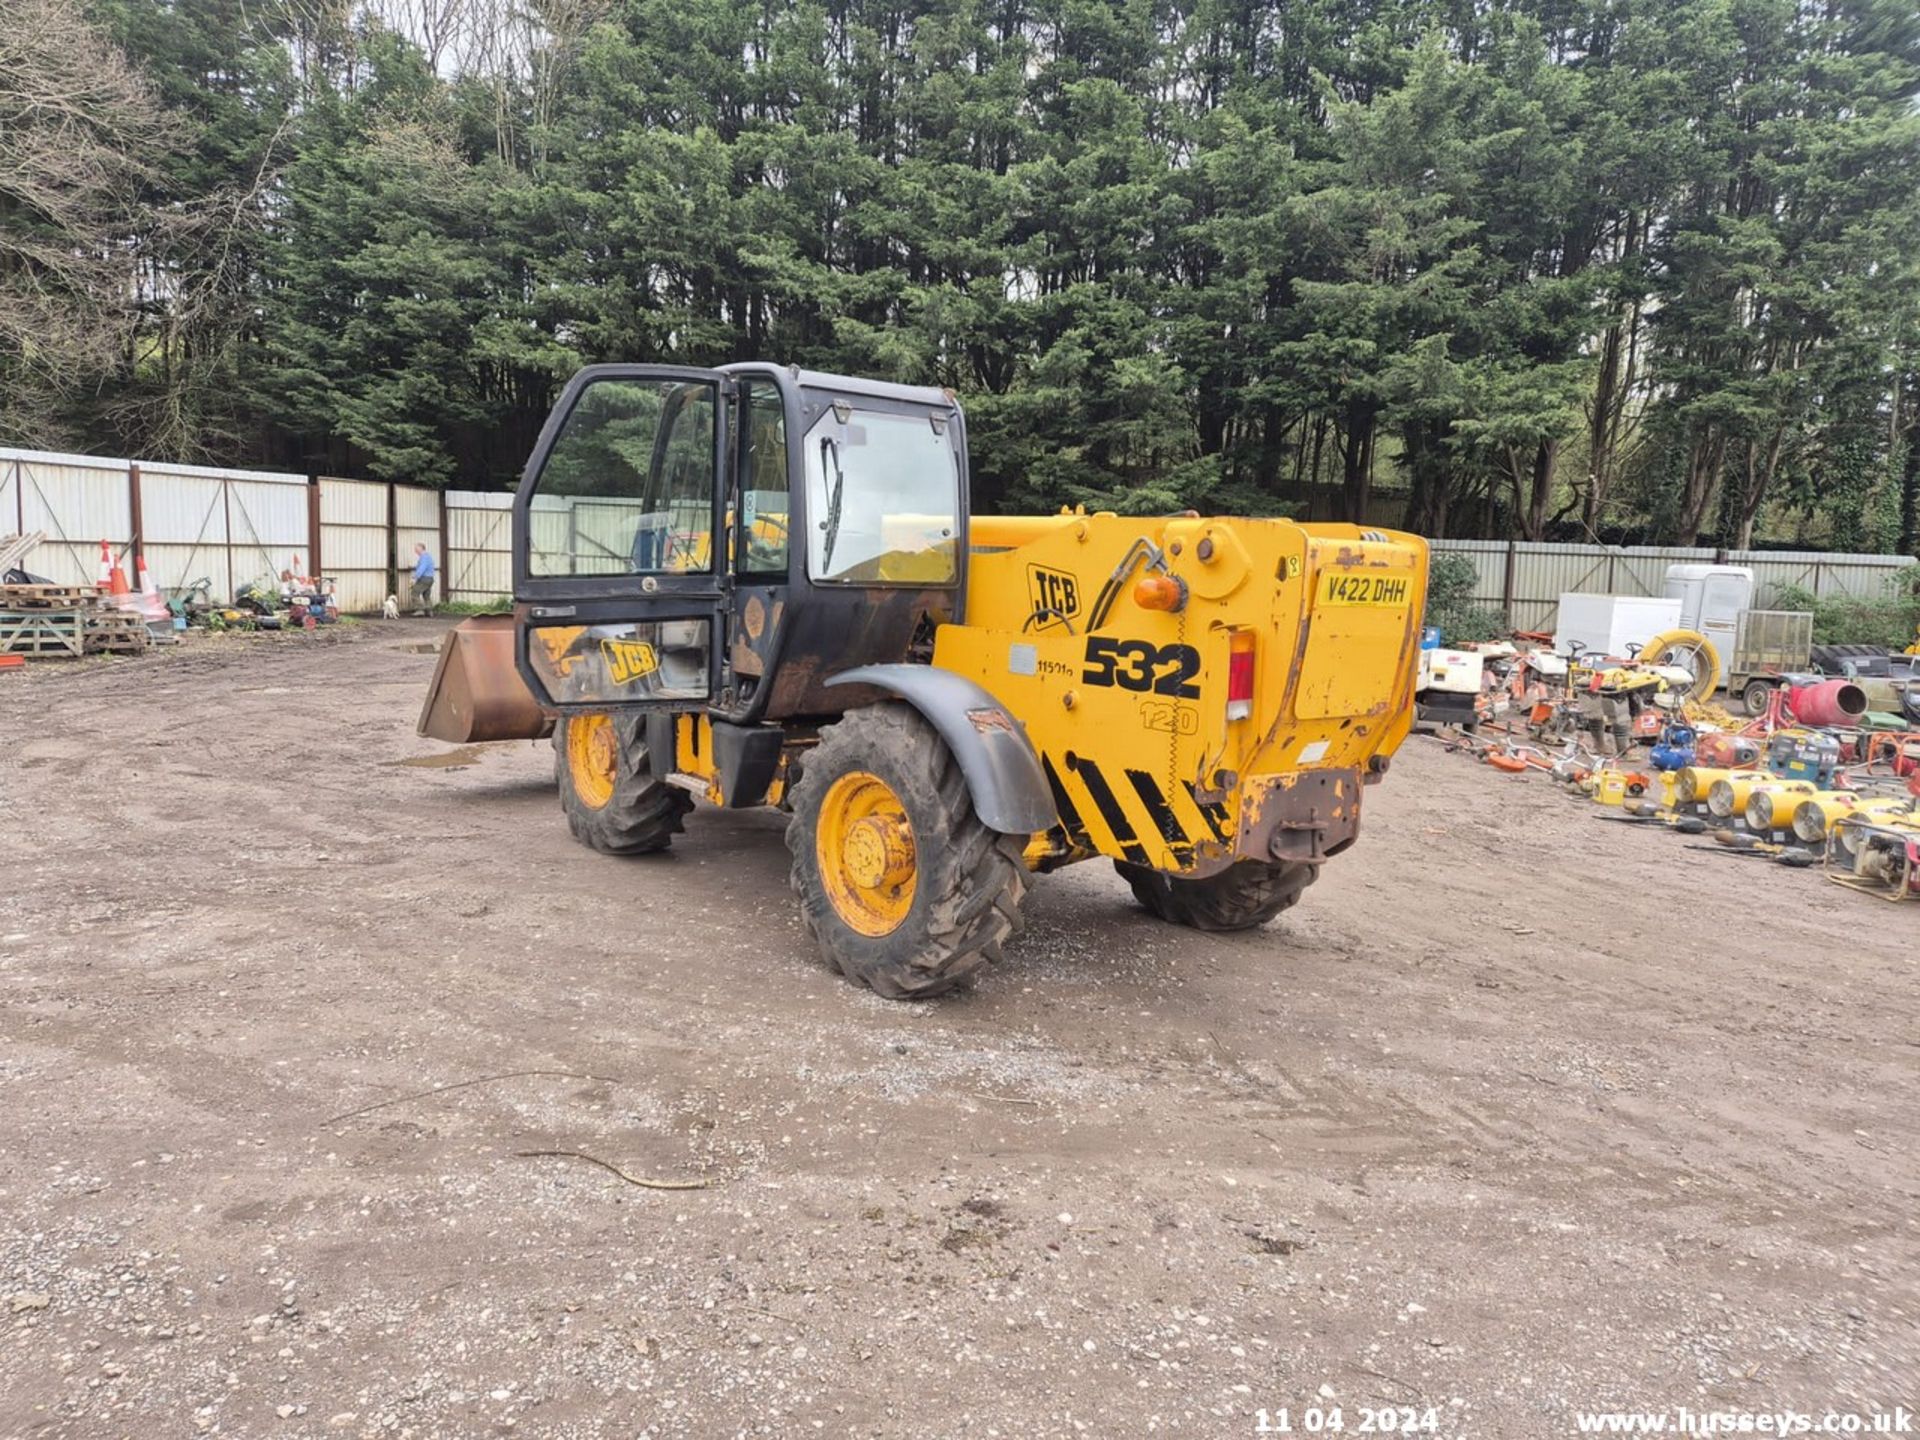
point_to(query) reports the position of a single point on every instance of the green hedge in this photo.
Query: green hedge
(1889, 623)
(1450, 584)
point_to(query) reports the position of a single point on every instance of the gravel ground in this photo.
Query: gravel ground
(1516, 1115)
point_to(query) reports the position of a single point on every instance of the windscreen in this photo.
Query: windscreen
(884, 498)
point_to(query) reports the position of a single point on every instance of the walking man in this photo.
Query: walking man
(423, 573)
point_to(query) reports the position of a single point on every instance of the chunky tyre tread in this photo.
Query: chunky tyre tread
(970, 879)
(645, 812)
(1240, 897)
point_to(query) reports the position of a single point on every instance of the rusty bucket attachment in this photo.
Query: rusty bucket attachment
(476, 693)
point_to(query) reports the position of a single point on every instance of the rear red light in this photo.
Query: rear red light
(1240, 675)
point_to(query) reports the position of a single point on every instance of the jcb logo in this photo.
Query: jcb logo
(628, 660)
(1055, 596)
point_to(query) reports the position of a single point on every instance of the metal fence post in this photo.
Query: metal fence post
(315, 566)
(1507, 581)
(226, 535)
(135, 517)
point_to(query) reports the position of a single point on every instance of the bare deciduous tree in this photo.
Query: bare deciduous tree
(78, 129)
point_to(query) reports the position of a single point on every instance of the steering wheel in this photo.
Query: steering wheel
(1634, 647)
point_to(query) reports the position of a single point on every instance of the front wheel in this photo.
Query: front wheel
(1757, 696)
(902, 886)
(1239, 897)
(614, 801)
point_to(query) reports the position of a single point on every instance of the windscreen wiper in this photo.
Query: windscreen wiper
(830, 453)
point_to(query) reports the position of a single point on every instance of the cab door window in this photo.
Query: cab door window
(628, 487)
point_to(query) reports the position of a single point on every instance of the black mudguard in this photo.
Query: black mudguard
(1004, 777)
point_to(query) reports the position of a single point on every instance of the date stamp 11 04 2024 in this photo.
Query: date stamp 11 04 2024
(1345, 1420)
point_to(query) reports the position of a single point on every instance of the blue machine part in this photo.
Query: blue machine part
(1674, 749)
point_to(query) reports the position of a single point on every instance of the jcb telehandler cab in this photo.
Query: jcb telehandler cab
(763, 586)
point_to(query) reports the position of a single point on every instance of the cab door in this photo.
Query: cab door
(620, 567)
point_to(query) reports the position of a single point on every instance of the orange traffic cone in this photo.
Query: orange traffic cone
(117, 586)
(105, 579)
(151, 605)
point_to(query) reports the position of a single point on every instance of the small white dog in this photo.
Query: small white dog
(391, 610)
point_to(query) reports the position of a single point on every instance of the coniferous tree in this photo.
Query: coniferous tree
(1634, 269)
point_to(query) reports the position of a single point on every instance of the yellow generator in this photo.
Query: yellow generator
(763, 586)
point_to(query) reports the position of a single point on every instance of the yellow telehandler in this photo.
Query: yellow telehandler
(761, 585)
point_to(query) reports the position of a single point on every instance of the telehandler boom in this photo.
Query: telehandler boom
(762, 586)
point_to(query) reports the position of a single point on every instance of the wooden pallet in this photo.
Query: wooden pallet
(43, 632)
(117, 631)
(49, 597)
(16, 548)
(72, 632)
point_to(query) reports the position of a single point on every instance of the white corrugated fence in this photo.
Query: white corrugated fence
(229, 527)
(234, 526)
(1527, 578)
(356, 542)
(479, 546)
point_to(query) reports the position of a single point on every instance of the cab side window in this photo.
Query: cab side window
(764, 526)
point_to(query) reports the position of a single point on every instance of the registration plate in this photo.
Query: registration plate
(1357, 587)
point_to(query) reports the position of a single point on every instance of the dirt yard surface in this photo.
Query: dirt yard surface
(1516, 1115)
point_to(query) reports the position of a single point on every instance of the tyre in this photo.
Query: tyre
(1836, 660)
(1240, 897)
(614, 801)
(900, 884)
(1756, 696)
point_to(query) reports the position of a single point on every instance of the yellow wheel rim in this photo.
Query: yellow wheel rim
(593, 758)
(864, 842)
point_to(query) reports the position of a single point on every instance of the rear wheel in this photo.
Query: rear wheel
(614, 801)
(1240, 897)
(1756, 696)
(902, 886)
